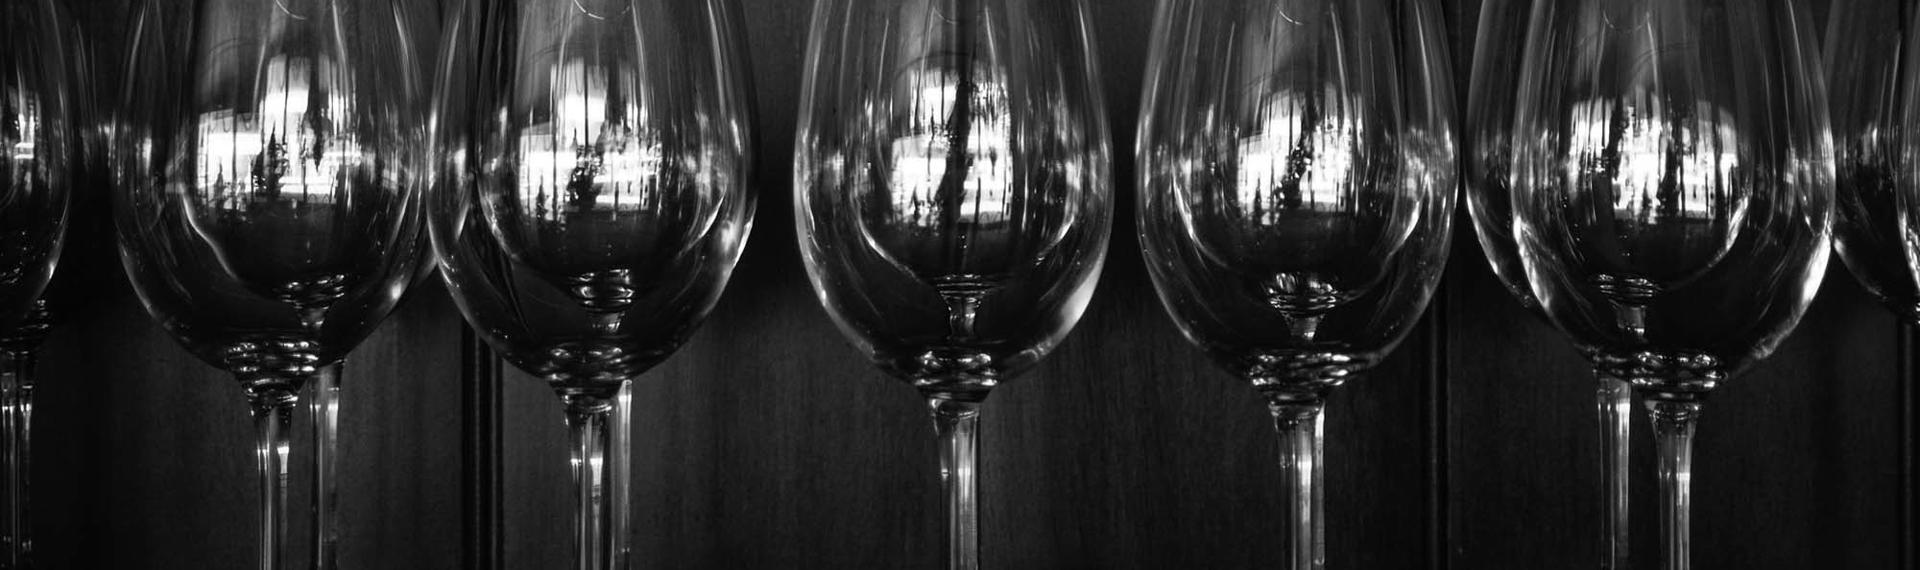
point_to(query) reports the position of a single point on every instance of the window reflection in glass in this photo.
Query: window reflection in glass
(20, 119)
(274, 179)
(1294, 161)
(287, 149)
(924, 158)
(1654, 169)
(590, 157)
(1658, 184)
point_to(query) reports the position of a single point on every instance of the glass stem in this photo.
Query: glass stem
(958, 425)
(1302, 427)
(588, 419)
(1673, 425)
(325, 406)
(620, 455)
(16, 397)
(272, 422)
(1615, 404)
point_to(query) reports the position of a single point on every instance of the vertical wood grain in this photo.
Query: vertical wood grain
(1910, 435)
(482, 441)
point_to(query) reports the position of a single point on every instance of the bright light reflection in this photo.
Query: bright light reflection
(1295, 161)
(26, 121)
(287, 148)
(584, 156)
(921, 157)
(1646, 154)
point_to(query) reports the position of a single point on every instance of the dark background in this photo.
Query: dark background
(768, 443)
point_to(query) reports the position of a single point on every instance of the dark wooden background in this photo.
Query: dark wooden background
(768, 443)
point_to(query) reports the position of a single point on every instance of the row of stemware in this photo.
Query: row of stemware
(1657, 179)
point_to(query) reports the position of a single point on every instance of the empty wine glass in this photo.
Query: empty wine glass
(1296, 199)
(590, 199)
(39, 148)
(953, 199)
(37, 107)
(1864, 79)
(1672, 197)
(1499, 45)
(263, 159)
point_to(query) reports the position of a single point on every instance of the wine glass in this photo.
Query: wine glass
(590, 197)
(39, 152)
(1499, 45)
(953, 198)
(37, 107)
(264, 163)
(1672, 197)
(1868, 103)
(1296, 199)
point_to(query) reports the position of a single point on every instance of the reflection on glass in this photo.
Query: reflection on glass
(923, 154)
(1295, 164)
(1289, 200)
(1663, 210)
(946, 201)
(23, 110)
(598, 200)
(265, 182)
(1623, 148)
(959, 189)
(583, 162)
(282, 145)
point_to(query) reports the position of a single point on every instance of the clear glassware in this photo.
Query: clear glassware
(1864, 82)
(590, 197)
(264, 158)
(1672, 197)
(40, 151)
(37, 113)
(1498, 47)
(953, 198)
(1296, 199)
(17, 352)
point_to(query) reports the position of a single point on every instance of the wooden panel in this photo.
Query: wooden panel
(1803, 448)
(1907, 380)
(1520, 431)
